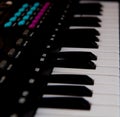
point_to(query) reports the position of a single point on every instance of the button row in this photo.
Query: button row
(19, 13)
(39, 15)
(28, 14)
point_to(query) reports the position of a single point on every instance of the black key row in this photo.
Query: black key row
(72, 60)
(65, 91)
(85, 38)
(58, 90)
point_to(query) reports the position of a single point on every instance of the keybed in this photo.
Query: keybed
(105, 91)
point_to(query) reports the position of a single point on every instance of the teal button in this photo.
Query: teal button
(7, 24)
(17, 14)
(30, 12)
(21, 23)
(21, 10)
(26, 17)
(25, 5)
(33, 8)
(13, 19)
(36, 4)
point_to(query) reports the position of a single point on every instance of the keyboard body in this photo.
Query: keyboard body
(59, 58)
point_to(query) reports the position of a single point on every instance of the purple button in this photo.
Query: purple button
(37, 17)
(40, 13)
(47, 4)
(42, 10)
(31, 26)
(35, 21)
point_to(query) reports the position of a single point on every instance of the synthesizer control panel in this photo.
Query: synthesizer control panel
(27, 29)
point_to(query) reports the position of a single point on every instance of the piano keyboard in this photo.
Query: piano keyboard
(104, 101)
(59, 58)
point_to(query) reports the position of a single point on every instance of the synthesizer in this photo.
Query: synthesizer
(59, 58)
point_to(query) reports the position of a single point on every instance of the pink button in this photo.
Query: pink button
(40, 13)
(37, 17)
(47, 3)
(31, 26)
(42, 10)
(35, 21)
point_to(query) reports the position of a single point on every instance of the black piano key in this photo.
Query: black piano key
(78, 44)
(74, 64)
(70, 79)
(72, 60)
(91, 5)
(73, 43)
(84, 21)
(68, 90)
(75, 55)
(65, 103)
(82, 31)
(57, 46)
(77, 38)
(79, 35)
(88, 9)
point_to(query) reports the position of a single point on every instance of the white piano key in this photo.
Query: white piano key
(105, 80)
(108, 44)
(96, 99)
(96, 111)
(99, 71)
(109, 38)
(101, 54)
(108, 18)
(105, 89)
(102, 79)
(96, 89)
(107, 49)
(107, 63)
